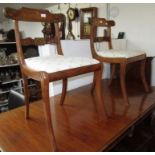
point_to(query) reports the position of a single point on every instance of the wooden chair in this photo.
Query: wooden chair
(115, 56)
(51, 68)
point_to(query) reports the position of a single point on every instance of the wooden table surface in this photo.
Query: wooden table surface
(79, 125)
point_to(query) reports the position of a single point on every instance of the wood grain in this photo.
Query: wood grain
(79, 125)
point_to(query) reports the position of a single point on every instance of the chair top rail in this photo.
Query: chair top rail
(30, 14)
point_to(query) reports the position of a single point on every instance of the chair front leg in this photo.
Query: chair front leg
(64, 90)
(99, 93)
(123, 82)
(47, 109)
(94, 80)
(26, 94)
(142, 72)
(93, 84)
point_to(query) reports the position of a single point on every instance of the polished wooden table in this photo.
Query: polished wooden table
(80, 124)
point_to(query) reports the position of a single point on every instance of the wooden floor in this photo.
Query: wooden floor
(79, 125)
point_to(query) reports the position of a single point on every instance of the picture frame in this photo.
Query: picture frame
(121, 35)
(86, 14)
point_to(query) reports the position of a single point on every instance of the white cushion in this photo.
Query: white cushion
(56, 63)
(119, 53)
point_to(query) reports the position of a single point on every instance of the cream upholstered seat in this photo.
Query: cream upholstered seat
(120, 53)
(56, 63)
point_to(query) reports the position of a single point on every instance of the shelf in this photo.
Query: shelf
(4, 92)
(11, 81)
(5, 43)
(31, 85)
(18, 88)
(7, 91)
(9, 65)
(3, 103)
(10, 78)
(23, 87)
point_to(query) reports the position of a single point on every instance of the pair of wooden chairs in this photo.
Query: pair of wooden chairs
(60, 67)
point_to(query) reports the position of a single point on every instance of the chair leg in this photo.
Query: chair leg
(93, 84)
(113, 68)
(26, 94)
(142, 72)
(123, 82)
(46, 102)
(64, 90)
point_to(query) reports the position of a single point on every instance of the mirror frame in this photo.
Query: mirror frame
(84, 26)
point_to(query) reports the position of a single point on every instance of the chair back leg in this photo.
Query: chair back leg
(112, 74)
(64, 90)
(142, 72)
(99, 94)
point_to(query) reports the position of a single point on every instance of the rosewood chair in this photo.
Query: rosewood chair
(123, 58)
(51, 68)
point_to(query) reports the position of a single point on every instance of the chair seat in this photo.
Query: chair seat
(119, 53)
(56, 63)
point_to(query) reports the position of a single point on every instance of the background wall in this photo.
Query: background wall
(136, 20)
(1, 25)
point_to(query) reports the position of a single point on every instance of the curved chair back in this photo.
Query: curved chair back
(34, 15)
(106, 34)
